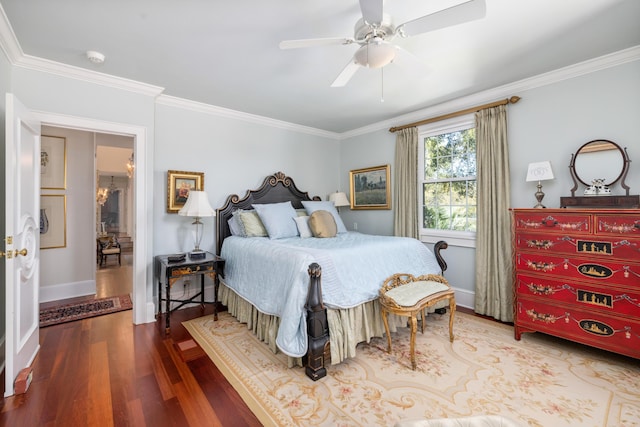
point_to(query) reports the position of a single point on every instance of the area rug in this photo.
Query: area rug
(83, 310)
(538, 381)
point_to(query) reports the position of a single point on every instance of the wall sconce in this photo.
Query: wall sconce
(539, 171)
(102, 195)
(339, 199)
(197, 206)
(130, 166)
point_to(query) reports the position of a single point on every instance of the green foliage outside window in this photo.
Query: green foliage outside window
(449, 187)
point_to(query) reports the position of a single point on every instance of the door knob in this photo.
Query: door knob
(22, 252)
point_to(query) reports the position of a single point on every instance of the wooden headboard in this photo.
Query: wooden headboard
(275, 188)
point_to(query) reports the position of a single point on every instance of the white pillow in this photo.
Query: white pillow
(302, 222)
(312, 206)
(235, 226)
(277, 219)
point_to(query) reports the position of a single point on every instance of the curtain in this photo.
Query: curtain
(405, 194)
(494, 277)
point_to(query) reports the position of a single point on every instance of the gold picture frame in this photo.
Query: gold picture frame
(370, 188)
(179, 183)
(53, 221)
(53, 162)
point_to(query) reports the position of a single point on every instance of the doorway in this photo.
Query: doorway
(143, 308)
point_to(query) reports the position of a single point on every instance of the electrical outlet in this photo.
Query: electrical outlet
(355, 225)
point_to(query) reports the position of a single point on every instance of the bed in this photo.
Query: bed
(312, 298)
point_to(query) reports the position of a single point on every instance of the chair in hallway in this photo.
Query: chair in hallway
(106, 246)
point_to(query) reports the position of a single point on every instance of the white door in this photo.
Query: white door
(22, 241)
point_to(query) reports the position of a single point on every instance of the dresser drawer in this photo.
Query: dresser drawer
(542, 220)
(608, 272)
(613, 333)
(626, 225)
(587, 296)
(594, 246)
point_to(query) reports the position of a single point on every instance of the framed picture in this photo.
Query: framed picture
(53, 221)
(370, 188)
(53, 162)
(178, 186)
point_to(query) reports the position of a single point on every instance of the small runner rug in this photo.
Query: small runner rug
(83, 310)
(537, 381)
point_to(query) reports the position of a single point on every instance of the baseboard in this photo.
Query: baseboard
(67, 290)
(465, 298)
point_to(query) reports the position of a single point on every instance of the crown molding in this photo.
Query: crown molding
(8, 40)
(89, 76)
(586, 67)
(213, 110)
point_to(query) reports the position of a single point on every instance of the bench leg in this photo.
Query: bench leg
(414, 328)
(386, 328)
(452, 311)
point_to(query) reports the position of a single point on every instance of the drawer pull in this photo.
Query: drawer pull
(619, 228)
(541, 266)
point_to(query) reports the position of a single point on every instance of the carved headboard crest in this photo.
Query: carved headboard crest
(275, 188)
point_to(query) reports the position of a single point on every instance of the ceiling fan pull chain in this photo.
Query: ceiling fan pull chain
(382, 84)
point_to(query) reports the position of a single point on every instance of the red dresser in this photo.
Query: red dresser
(578, 276)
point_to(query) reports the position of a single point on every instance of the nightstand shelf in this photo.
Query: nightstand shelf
(168, 273)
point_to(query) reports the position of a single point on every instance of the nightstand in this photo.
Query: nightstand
(169, 273)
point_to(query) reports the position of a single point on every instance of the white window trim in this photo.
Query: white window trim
(466, 239)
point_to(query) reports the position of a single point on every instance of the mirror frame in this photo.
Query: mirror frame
(621, 177)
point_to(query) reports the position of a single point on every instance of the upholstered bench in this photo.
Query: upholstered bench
(407, 295)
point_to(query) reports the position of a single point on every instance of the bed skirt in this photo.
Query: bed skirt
(347, 327)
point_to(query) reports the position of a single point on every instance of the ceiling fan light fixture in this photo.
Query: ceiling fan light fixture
(375, 55)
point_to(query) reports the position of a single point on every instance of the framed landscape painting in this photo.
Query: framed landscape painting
(370, 188)
(179, 184)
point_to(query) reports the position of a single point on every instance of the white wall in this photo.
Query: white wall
(70, 271)
(234, 155)
(549, 123)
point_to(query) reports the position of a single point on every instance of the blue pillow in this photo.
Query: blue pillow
(312, 206)
(278, 219)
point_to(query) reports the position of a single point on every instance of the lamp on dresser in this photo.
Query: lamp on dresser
(539, 171)
(197, 206)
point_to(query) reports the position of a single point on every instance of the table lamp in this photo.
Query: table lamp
(539, 171)
(197, 206)
(339, 199)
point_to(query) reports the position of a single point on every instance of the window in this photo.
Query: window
(448, 181)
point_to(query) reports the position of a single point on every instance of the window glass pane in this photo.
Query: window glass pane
(472, 193)
(459, 193)
(430, 194)
(443, 193)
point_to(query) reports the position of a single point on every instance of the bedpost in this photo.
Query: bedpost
(317, 328)
(440, 245)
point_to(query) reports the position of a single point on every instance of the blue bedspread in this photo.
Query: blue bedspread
(272, 274)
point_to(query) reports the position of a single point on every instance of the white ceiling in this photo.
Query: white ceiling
(226, 54)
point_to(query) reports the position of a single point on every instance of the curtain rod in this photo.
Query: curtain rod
(511, 100)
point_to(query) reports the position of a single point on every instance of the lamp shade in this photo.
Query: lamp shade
(375, 54)
(539, 171)
(339, 199)
(197, 205)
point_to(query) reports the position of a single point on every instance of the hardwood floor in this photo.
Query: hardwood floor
(104, 371)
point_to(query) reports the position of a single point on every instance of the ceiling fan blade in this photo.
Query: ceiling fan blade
(371, 11)
(294, 44)
(459, 14)
(346, 74)
(408, 60)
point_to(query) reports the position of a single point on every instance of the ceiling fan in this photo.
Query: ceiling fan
(375, 30)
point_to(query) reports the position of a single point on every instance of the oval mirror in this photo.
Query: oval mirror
(599, 159)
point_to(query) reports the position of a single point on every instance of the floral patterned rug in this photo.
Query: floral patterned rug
(83, 310)
(538, 381)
